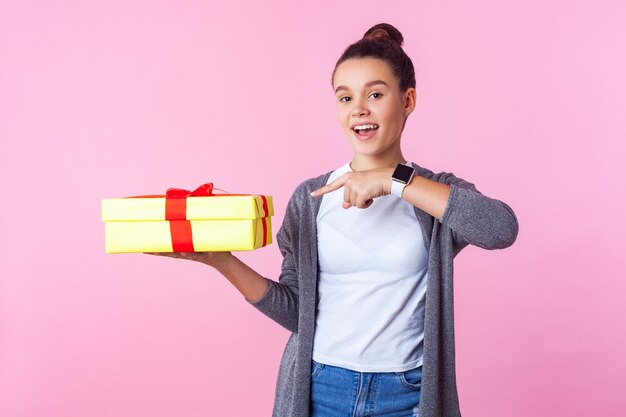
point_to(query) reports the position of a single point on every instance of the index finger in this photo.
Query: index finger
(335, 185)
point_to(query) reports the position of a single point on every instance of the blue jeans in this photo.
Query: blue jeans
(341, 392)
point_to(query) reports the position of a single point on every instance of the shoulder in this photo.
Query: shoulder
(302, 193)
(302, 203)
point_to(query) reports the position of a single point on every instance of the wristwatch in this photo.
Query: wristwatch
(401, 177)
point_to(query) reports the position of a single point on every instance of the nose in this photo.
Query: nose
(359, 107)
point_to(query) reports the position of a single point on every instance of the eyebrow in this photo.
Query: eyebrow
(367, 84)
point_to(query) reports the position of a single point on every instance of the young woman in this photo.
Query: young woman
(366, 286)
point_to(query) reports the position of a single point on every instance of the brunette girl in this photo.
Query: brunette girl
(366, 285)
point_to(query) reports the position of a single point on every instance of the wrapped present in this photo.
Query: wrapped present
(187, 221)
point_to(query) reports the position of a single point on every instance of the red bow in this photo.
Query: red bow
(203, 190)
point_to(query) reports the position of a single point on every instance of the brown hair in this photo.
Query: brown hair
(383, 41)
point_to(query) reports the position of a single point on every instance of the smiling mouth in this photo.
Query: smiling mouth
(367, 130)
(364, 134)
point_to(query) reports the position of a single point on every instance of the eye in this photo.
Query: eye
(375, 93)
(342, 98)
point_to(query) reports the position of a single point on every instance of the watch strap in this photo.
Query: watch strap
(397, 188)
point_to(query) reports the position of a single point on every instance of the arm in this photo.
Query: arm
(428, 195)
(472, 217)
(277, 300)
(250, 283)
(280, 300)
(475, 218)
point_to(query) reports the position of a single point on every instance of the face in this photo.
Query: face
(367, 92)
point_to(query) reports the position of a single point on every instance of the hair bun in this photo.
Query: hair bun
(384, 32)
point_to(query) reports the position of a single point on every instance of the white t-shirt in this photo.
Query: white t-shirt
(372, 286)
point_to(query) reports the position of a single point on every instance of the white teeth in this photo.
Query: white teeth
(365, 127)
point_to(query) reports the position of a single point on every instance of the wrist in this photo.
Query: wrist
(401, 178)
(388, 180)
(221, 260)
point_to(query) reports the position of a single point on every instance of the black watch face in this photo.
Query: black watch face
(403, 173)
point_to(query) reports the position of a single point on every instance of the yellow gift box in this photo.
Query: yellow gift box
(187, 221)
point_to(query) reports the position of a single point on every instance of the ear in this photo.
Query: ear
(410, 99)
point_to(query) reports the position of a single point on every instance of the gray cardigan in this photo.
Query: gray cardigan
(469, 218)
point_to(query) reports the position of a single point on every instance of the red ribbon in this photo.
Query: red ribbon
(264, 219)
(176, 213)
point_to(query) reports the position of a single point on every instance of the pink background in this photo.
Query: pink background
(111, 99)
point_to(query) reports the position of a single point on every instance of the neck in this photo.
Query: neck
(366, 162)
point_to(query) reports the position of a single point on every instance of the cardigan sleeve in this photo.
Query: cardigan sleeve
(280, 301)
(475, 218)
